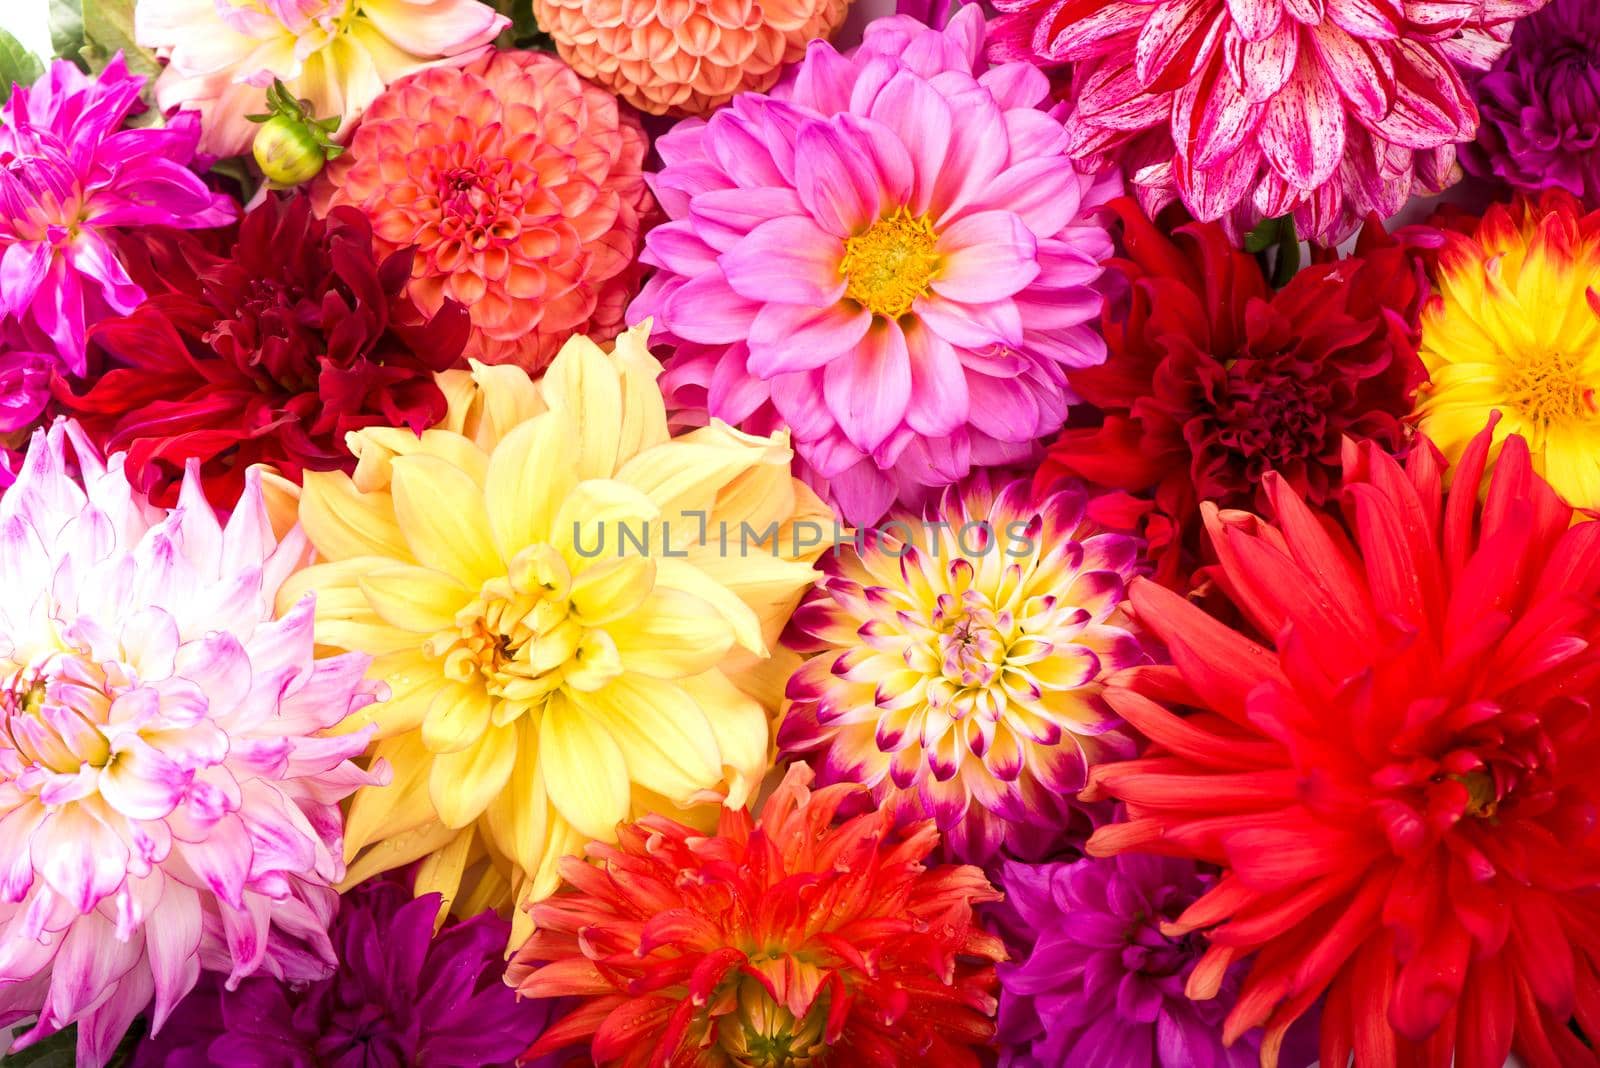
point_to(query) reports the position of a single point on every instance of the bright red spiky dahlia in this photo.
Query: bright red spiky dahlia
(1214, 377)
(783, 942)
(264, 345)
(1400, 785)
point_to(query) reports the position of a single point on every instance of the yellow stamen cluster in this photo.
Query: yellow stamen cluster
(890, 264)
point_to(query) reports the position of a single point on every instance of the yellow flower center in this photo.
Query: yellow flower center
(1550, 387)
(60, 739)
(764, 1034)
(891, 263)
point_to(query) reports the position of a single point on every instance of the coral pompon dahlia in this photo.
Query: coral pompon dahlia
(1515, 329)
(777, 942)
(223, 55)
(519, 186)
(956, 668)
(685, 57)
(1250, 109)
(542, 582)
(70, 176)
(266, 345)
(168, 800)
(1399, 787)
(890, 255)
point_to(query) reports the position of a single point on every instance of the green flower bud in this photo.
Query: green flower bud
(287, 152)
(291, 146)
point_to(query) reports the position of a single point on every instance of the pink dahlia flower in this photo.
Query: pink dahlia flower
(1246, 109)
(222, 55)
(68, 173)
(168, 801)
(891, 255)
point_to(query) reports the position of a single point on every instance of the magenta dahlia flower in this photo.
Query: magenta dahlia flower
(68, 171)
(168, 800)
(890, 255)
(1244, 109)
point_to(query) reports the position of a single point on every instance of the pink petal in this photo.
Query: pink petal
(141, 782)
(707, 311)
(921, 118)
(1043, 192)
(1303, 131)
(1261, 67)
(1211, 193)
(798, 399)
(1363, 72)
(172, 945)
(972, 326)
(896, 174)
(788, 337)
(1256, 19)
(789, 260)
(1307, 11)
(988, 256)
(868, 391)
(1431, 106)
(1114, 97)
(721, 217)
(1212, 118)
(1080, 38)
(1171, 36)
(80, 858)
(939, 401)
(1376, 19)
(836, 179)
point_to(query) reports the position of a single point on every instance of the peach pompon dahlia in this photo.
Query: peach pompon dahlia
(518, 184)
(956, 668)
(222, 55)
(779, 942)
(168, 799)
(1515, 328)
(570, 641)
(1246, 109)
(685, 57)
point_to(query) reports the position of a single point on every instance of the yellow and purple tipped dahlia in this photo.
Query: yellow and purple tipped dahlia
(956, 664)
(570, 639)
(223, 55)
(890, 256)
(167, 798)
(1246, 109)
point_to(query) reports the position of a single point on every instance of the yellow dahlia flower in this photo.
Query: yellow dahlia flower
(569, 640)
(1515, 328)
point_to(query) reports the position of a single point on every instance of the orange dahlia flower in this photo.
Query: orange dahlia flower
(783, 941)
(685, 57)
(520, 187)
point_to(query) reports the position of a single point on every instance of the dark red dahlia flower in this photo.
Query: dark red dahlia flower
(1214, 378)
(1400, 786)
(267, 349)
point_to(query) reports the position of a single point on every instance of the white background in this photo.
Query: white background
(26, 21)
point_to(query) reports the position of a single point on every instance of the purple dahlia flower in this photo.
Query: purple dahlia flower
(402, 997)
(69, 172)
(1094, 983)
(1540, 105)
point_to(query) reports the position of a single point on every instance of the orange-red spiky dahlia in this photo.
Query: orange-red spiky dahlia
(685, 57)
(519, 186)
(780, 942)
(1399, 785)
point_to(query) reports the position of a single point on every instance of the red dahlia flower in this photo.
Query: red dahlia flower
(1400, 786)
(266, 351)
(1214, 378)
(780, 942)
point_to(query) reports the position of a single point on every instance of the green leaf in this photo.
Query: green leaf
(108, 29)
(60, 1050)
(18, 66)
(66, 29)
(1264, 236)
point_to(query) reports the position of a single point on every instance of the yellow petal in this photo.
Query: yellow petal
(411, 678)
(609, 589)
(457, 717)
(397, 852)
(417, 599)
(682, 575)
(644, 422)
(440, 872)
(342, 522)
(584, 383)
(529, 476)
(596, 520)
(441, 513)
(584, 771)
(665, 738)
(672, 634)
(518, 819)
(740, 724)
(462, 784)
(378, 812)
(507, 398)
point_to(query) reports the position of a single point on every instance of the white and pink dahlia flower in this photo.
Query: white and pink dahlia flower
(167, 800)
(891, 255)
(1251, 109)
